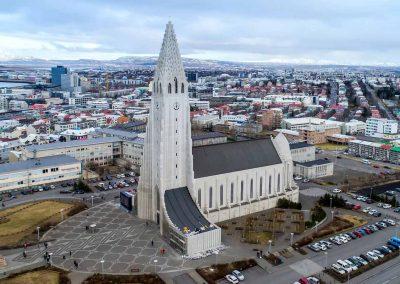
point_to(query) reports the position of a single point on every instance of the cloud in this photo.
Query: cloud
(311, 31)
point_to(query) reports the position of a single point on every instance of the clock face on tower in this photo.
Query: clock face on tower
(176, 106)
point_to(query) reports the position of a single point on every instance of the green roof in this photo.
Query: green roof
(396, 149)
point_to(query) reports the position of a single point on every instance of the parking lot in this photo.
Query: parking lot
(64, 190)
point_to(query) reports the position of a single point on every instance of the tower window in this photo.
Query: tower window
(269, 184)
(261, 181)
(169, 88)
(160, 90)
(232, 190)
(176, 85)
(182, 88)
(210, 201)
(279, 182)
(221, 195)
(241, 190)
(251, 188)
(199, 197)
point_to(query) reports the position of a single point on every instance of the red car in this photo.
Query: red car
(357, 207)
(357, 234)
(303, 280)
(368, 231)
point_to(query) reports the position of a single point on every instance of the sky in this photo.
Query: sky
(349, 32)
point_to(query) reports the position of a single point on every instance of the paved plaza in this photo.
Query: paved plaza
(119, 243)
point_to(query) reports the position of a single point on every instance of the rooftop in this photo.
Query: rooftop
(299, 145)
(74, 143)
(37, 163)
(314, 163)
(223, 158)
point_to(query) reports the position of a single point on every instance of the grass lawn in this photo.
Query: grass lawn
(35, 277)
(21, 221)
(332, 147)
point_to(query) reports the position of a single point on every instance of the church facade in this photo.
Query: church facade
(186, 190)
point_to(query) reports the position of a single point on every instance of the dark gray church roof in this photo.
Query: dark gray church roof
(218, 159)
(183, 212)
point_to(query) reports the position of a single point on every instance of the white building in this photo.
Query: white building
(380, 127)
(35, 172)
(70, 82)
(17, 105)
(186, 190)
(354, 127)
(100, 151)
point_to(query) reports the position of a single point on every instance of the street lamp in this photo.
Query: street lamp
(102, 263)
(155, 262)
(326, 259)
(62, 214)
(332, 212)
(38, 234)
(269, 246)
(92, 199)
(291, 239)
(216, 258)
(50, 254)
(330, 202)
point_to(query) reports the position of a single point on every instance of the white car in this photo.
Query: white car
(387, 206)
(390, 221)
(52, 186)
(372, 212)
(345, 266)
(298, 178)
(338, 268)
(238, 275)
(231, 279)
(379, 205)
(378, 253)
(306, 180)
(372, 255)
(352, 266)
(336, 190)
(366, 209)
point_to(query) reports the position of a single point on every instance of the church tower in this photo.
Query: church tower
(167, 158)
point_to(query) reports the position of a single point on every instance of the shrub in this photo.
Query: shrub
(287, 204)
(337, 201)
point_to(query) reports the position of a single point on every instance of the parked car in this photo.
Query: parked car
(338, 268)
(314, 247)
(387, 206)
(313, 280)
(65, 191)
(378, 253)
(231, 279)
(390, 193)
(336, 190)
(389, 221)
(238, 275)
(371, 255)
(366, 209)
(345, 266)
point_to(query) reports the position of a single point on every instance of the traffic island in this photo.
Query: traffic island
(345, 277)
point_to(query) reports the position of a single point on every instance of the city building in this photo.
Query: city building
(56, 73)
(381, 128)
(314, 169)
(186, 189)
(270, 119)
(38, 172)
(100, 151)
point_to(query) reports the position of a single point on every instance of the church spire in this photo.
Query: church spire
(169, 65)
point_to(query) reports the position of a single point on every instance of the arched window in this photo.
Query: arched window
(261, 181)
(241, 190)
(232, 189)
(176, 85)
(251, 188)
(154, 87)
(160, 90)
(269, 184)
(221, 195)
(210, 200)
(182, 88)
(279, 182)
(169, 88)
(199, 197)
